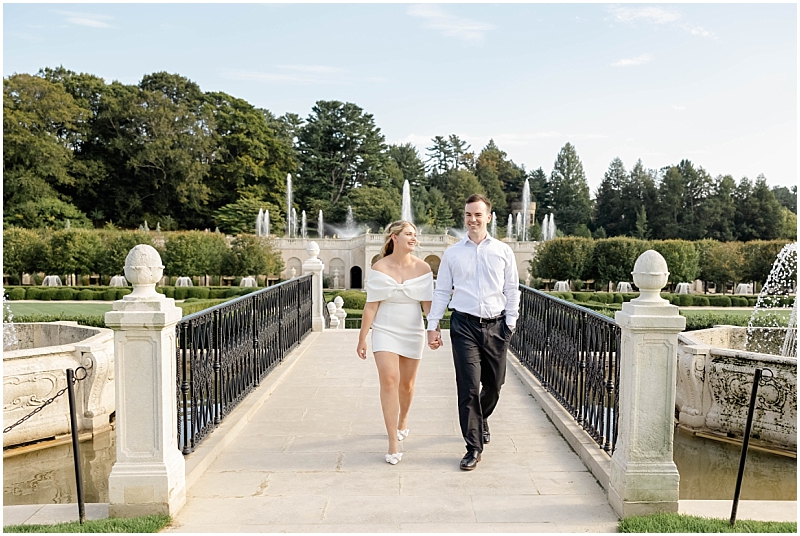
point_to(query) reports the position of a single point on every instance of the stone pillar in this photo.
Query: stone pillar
(149, 476)
(644, 479)
(314, 266)
(341, 314)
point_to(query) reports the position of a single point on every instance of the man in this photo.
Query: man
(481, 273)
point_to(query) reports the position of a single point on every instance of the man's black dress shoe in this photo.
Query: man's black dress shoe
(470, 460)
(486, 436)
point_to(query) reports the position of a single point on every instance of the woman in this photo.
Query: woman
(397, 284)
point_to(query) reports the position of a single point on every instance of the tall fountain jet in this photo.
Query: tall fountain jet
(350, 222)
(526, 203)
(510, 233)
(304, 227)
(259, 230)
(519, 225)
(548, 227)
(406, 212)
(265, 223)
(290, 225)
(294, 223)
(493, 230)
(320, 226)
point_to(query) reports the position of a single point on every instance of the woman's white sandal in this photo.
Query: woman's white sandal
(402, 434)
(394, 458)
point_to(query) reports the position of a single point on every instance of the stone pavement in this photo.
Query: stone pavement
(311, 460)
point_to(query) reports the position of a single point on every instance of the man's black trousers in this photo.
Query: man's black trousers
(479, 355)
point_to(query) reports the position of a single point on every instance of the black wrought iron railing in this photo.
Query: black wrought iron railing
(574, 352)
(225, 351)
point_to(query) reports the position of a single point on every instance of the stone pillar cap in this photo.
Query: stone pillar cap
(650, 272)
(312, 249)
(143, 269)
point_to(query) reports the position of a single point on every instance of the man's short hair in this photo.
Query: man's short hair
(478, 197)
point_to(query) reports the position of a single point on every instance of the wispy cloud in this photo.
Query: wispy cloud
(655, 15)
(698, 30)
(28, 38)
(638, 60)
(450, 25)
(678, 107)
(93, 20)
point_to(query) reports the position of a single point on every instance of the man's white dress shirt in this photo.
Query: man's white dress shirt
(482, 278)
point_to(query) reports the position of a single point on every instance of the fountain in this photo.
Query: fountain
(248, 281)
(765, 328)
(265, 223)
(519, 226)
(510, 233)
(548, 227)
(682, 288)
(350, 222)
(51, 281)
(118, 281)
(184, 282)
(320, 226)
(744, 288)
(294, 223)
(561, 286)
(259, 230)
(493, 229)
(289, 208)
(624, 286)
(526, 203)
(9, 331)
(406, 212)
(303, 228)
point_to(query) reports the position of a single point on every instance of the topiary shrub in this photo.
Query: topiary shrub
(685, 300)
(169, 292)
(618, 298)
(751, 302)
(582, 297)
(701, 301)
(738, 301)
(353, 299)
(48, 294)
(201, 293)
(578, 284)
(181, 293)
(628, 296)
(110, 294)
(719, 301)
(123, 292)
(33, 293)
(85, 295)
(563, 295)
(64, 294)
(603, 297)
(16, 293)
(216, 293)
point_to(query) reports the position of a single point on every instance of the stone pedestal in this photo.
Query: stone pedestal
(340, 313)
(644, 479)
(149, 475)
(314, 266)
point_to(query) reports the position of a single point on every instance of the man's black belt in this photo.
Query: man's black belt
(479, 320)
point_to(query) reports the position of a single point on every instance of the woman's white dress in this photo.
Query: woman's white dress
(398, 325)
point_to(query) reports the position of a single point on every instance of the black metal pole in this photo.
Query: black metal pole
(745, 443)
(76, 449)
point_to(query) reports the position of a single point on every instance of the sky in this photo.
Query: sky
(712, 83)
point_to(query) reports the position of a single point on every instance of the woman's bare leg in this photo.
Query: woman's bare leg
(389, 374)
(408, 375)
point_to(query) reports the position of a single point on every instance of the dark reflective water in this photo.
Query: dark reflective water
(47, 476)
(708, 470)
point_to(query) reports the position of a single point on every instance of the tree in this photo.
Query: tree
(46, 212)
(240, 216)
(788, 227)
(641, 230)
(570, 191)
(193, 253)
(499, 176)
(720, 210)
(540, 192)
(639, 197)
(696, 187)
(375, 206)
(682, 259)
(758, 213)
(23, 251)
(73, 251)
(563, 258)
(719, 262)
(39, 121)
(608, 210)
(115, 249)
(340, 148)
(457, 186)
(439, 213)
(667, 217)
(786, 197)
(410, 165)
(251, 255)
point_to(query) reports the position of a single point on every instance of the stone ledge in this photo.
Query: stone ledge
(204, 455)
(590, 453)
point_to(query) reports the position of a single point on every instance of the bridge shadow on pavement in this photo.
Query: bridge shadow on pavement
(310, 459)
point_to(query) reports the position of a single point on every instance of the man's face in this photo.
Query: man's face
(476, 216)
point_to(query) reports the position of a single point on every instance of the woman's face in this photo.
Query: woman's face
(406, 239)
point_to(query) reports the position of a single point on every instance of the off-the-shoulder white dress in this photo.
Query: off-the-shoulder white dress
(398, 326)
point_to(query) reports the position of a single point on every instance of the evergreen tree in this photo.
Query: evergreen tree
(571, 203)
(721, 210)
(608, 210)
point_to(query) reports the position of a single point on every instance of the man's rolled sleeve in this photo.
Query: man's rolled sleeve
(511, 292)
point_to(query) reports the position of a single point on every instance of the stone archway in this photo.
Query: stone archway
(433, 261)
(296, 264)
(355, 277)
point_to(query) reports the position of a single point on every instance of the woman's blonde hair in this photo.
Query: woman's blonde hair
(393, 229)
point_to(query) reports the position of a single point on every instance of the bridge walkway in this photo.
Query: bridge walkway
(310, 459)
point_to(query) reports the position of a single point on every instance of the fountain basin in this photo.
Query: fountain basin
(715, 377)
(34, 370)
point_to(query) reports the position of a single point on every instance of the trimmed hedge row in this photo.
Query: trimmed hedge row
(116, 293)
(681, 300)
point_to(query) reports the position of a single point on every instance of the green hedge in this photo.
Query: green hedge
(15, 293)
(353, 299)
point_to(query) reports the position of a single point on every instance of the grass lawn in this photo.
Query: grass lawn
(685, 523)
(60, 308)
(131, 524)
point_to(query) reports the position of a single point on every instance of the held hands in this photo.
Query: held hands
(361, 349)
(435, 339)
